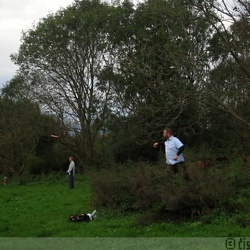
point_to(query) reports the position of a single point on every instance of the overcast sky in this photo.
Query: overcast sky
(15, 16)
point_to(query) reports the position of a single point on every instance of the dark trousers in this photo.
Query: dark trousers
(71, 181)
(175, 168)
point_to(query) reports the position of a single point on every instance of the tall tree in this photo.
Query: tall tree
(163, 55)
(25, 132)
(229, 49)
(229, 84)
(65, 56)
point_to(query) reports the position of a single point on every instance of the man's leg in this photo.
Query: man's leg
(71, 181)
(184, 170)
(174, 168)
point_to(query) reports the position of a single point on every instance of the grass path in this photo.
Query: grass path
(42, 210)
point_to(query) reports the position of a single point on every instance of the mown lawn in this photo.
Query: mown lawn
(42, 209)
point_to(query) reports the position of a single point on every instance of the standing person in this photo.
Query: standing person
(173, 150)
(71, 172)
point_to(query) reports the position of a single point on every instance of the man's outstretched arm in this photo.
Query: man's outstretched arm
(156, 144)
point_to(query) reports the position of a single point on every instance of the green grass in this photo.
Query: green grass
(42, 209)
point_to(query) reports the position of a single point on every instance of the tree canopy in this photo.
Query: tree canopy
(104, 69)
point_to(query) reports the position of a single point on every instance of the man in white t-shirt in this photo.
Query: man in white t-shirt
(173, 150)
(71, 172)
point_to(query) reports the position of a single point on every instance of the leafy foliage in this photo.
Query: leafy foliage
(115, 74)
(25, 134)
(146, 188)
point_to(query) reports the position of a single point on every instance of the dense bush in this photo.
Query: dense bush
(149, 188)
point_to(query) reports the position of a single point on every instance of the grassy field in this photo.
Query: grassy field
(41, 209)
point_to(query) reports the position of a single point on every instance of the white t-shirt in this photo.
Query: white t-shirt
(172, 146)
(71, 169)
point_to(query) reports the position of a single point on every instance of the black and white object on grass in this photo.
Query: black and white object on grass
(82, 217)
(91, 216)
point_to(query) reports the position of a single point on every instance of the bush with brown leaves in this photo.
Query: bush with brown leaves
(150, 188)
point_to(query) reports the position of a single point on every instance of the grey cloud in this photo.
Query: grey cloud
(16, 16)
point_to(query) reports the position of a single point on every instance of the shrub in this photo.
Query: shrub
(149, 188)
(35, 166)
